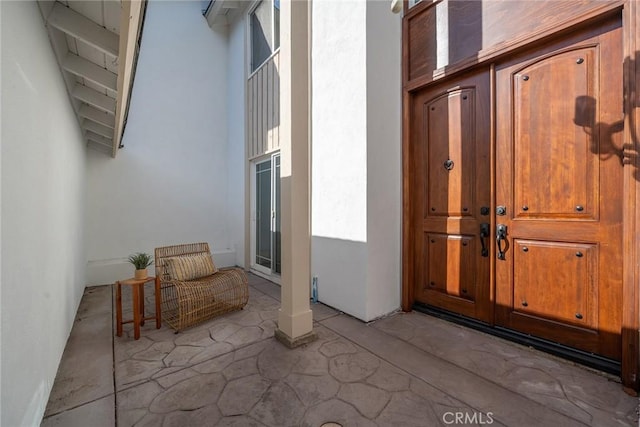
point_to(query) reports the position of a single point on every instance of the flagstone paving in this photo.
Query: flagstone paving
(402, 370)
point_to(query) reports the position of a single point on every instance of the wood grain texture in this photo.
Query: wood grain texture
(450, 123)
(557, 172)
(631, 233)
(441, 47)
(549, 161)
(565, 290)
(408, 260)
(450, 36)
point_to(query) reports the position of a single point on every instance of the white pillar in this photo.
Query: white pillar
(295, 319)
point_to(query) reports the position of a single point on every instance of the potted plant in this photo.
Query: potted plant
(140, 261)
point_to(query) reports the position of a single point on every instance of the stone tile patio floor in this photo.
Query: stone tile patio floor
(407, 369)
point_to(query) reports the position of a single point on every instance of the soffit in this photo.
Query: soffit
(222, 12)
(96, 62)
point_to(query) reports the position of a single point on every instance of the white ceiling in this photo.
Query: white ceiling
(85, 36)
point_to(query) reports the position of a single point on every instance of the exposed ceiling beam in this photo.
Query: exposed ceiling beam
(96, 127)
(99, 139)
(92, 113)
(90, 71)
(232, 4)
(81, 27)
(131, 21)
(221, 11)
(94, 98)
(59, 44)
(216, 14)
(98, 147)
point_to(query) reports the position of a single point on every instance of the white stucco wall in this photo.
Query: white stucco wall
(236, 92)
(339, 154)
(356, 165)
(384, 159)
(43, 199)
(170, 182)
(339, 119)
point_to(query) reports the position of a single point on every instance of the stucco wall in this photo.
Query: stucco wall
(43, 199)
(236, 90)
(170, 182)
(339, 153)
(356, 165)
(384, 160)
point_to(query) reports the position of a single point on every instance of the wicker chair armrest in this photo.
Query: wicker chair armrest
(170, 282)
(202, 280)
(184, 283)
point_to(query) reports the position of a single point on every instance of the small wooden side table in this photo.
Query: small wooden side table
(137, 287)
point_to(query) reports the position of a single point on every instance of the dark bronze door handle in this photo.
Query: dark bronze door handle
(501, 238)
(484, 233)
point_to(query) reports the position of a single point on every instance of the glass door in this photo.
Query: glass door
(263, 215)
(266, 229)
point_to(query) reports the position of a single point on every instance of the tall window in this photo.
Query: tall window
(265, 31)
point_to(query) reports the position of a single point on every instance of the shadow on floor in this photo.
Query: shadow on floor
(408, 369)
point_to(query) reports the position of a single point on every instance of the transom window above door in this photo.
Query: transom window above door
(264, 28)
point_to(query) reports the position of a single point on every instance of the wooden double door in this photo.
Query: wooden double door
(517, 192)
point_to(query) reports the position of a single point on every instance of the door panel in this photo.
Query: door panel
(564, 290)
(555, 172)
(559, 113)
(448, 257)
(451, 148)
(450, 126)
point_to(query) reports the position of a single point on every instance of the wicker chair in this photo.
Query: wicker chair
(188, 302)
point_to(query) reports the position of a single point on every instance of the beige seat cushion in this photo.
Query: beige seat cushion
(189, 267)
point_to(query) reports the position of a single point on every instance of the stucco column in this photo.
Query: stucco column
(295, 319)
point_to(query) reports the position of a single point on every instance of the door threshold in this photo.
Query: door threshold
(272, 278)
(591, 360)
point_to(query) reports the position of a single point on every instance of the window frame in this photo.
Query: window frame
(250, 13)
(275, 215)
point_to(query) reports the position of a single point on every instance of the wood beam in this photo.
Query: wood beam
(131, 20)
(96, 127)
(81, 27)
(99, 139)
(92, 113)
(94, 98)
(98, 147)
(90, 71)
(216, 15)
(59, 44)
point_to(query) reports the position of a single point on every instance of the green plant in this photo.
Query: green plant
(140, 260)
